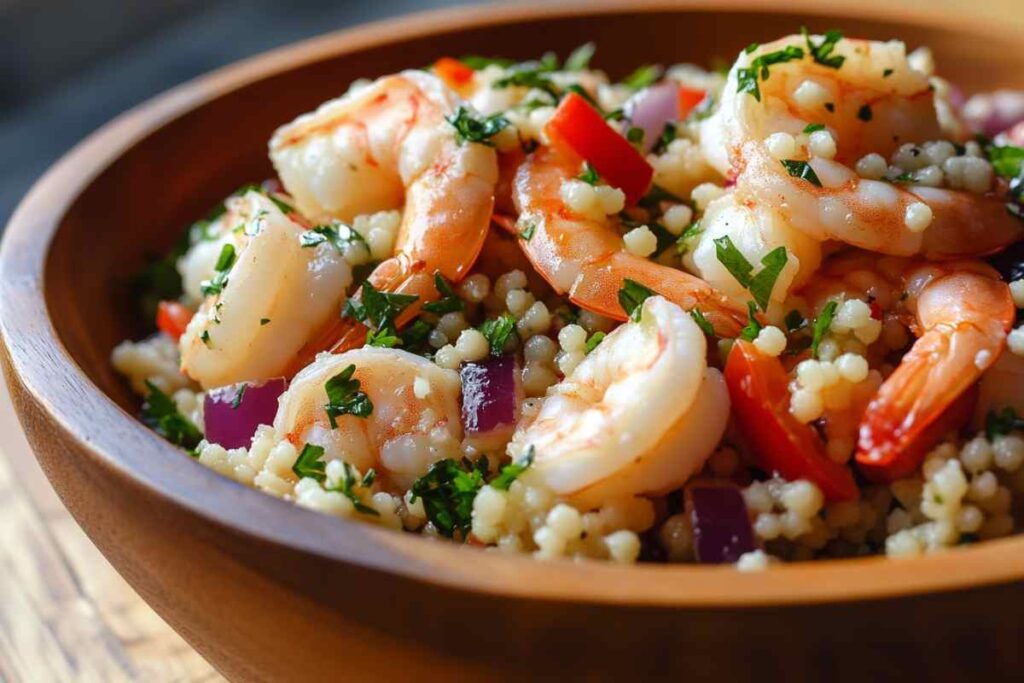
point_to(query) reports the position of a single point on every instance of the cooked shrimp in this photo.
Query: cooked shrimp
(872, 103)
(640, 414)
(960, 312)
(415, 420)
(277, 295)
(385, 146)
(585, 258)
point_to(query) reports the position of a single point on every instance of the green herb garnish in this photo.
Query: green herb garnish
(642, 77)
(219, 281)
(346, 487)
(821, 325)
(801, 169)
(375, 308)
(998, 423)
(336, 233)
(761, 285)
(509, 473)
(747, 77)
(449, 301)
(345, 398)
(632, 295)
(161, 414)
(813, 127)
(1006, 160)
(593, 340)
(668, 135)
(589, 174)
(579, 59)
(309, 463)
(822, 52)
(528, 230)
(476, 62)
(635, 135)
(447, 491)
(469, 128)
(864, 113)
(497, 331)
(702, 322)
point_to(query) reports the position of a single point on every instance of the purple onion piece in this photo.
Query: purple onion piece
(651, 108)
(231, 414)
(490, 395)
(721, 526)
(994, 112)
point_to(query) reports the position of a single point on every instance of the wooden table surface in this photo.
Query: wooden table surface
(65, 613)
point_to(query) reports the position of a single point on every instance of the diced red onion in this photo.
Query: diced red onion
(491, 395)
(721, 526)
(992, 113)
(231, 414)
(651, 108)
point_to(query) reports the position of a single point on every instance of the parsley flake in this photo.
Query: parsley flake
(589, 174)
(864, 113)
(160, 413)
(593, 341)
(375, 308)
(813, 128)
(347, 488)
(821, 325)
(345, 398)
(1006, 160)
(309, 464)
(469, 128)
(643, 76)
(753, 326)
(219, 281)
(449, 301)
(509, 473)
(579, 59)
(497, 331)
(821, 53)
(702, 322)
(632, 295)
(1002, 422)
(761, 285)
(528, 230)
(447, 491)
(747, 77)
(801, 169)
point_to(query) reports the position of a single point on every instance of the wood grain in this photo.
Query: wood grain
(65, 613)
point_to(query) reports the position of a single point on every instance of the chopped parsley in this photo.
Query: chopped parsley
(497, 331)
(477, 62)
(160, 413)
(375, 308)
(1002, 422)
(702, 322)
(801, 169)
(415, 334)
(593, 341)
(632, 295)
(237, 400)
(864, 113)
(219, 281)
(683, 242)
(449, 301)
(579, 59)
(528, 230)
(1006, 160)
(469, 128)
(447, 491)
(264, 321)
(309, 464)
(635, 135)
(336, 233)
(532, 75)
(747, 77)
(386, 337)
(589, 175)
(656, 195)
(821, 53)
(204, 337)
(813, 127)
(753, 327)
(345, 398)
(821, 325)
(643, 76)
(760, 285)
(887, 73)
(346, 487)
(509, 473)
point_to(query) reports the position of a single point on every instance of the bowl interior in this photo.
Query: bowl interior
(135, 207)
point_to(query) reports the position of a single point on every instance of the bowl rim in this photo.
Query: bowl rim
(28, 336)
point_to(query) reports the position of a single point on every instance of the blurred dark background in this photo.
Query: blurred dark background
(69, 66)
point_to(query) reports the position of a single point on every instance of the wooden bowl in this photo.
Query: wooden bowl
(269, 591)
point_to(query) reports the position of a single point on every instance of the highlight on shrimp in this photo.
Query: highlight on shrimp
(743, 317)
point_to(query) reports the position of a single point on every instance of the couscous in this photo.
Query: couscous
(737, 317)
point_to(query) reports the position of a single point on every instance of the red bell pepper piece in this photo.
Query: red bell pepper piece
(576, 125)
(689, 98)
(759, 391)
(453, 72)
(172, 318)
